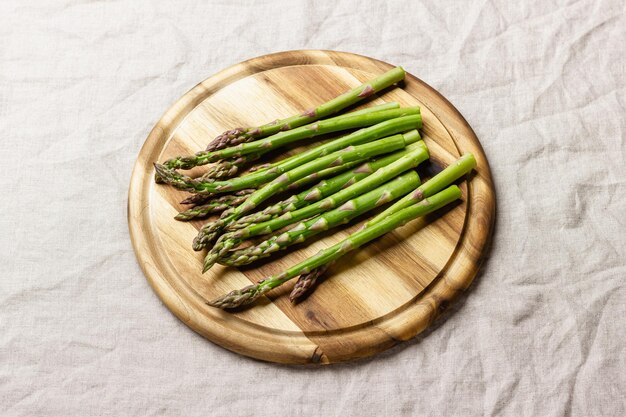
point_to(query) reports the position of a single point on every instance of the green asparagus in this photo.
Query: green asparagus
(212, 230)
(254, 180)
(321, 190)
(240, 135)
(325, 221)
(233, 239)
(228, 168)
(322, 127)
(443, 179)
(251, 293)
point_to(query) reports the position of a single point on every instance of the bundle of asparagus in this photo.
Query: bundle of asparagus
(359, 171)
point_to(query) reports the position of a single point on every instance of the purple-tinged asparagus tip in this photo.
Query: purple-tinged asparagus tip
(255, 132)
(237, 298)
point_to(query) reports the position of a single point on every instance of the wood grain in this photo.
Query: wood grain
(385, 293)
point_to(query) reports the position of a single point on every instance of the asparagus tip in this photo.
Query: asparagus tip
(238, 298)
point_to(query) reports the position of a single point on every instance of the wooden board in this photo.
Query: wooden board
(385, 293)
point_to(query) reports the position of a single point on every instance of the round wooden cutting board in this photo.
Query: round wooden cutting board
(382, 294)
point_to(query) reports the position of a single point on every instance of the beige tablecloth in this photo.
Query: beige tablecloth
(542, 330)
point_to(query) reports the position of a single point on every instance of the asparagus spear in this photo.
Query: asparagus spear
(212, 230)
(322, 127)
(241, 135)
(208, 205)
(216, 205)
(306, 282)
(446, 177)
(321, 190)
(254, 180)
(228, 168)
(333, 218)
(251, 293)
(233, 239)
(197, 199)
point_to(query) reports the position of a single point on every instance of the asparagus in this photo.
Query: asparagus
(233, 239)
(197, 199)
(212, 230)
(241, 135)
(325, 221)
(306, 282)
(322, 127)
(228, 168)
(254, 180)
(328, 172)
(251, 293)
(216, 205)
(446, 177)
(322, 189)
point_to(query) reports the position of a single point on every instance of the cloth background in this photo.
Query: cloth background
(542, 330)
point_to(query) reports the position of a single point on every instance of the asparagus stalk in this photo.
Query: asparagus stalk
(216, 205)
(251, 293)
(228, 168)
(322, 127)
(325, 173)
(241, 135)
(454, 171)
(254, 180)
(323, 189)
(325, 221)
(306, 282)
(233, 239)
(212, 230)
